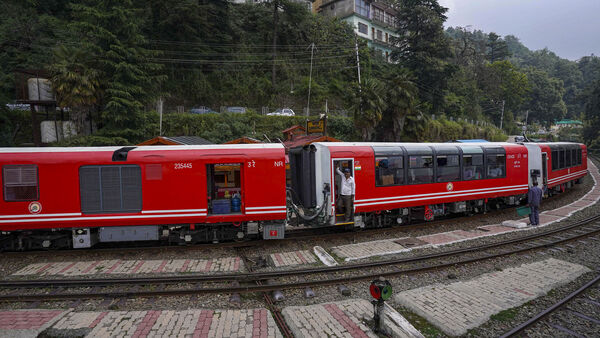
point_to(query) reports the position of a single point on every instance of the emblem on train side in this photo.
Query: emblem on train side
(449, 186)
(35, 207)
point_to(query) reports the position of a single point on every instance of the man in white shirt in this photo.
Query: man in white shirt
(347, 192)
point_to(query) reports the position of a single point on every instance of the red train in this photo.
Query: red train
(76, 197)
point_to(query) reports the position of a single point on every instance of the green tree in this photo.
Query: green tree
(76, 83)
(401, 98)
(497, 49)
(110, 31)
(368, 105)
(591, 132)
(423, 48)
(545, 103)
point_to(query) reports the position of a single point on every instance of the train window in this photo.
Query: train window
(420, 169)
(448, 168)
(472, 167)
(110, 189)
(579, 156)
(555, 165)
(568, 158)
(224, 188)
(496, 165)
(20, 183)
(389, 170)
(561, 158)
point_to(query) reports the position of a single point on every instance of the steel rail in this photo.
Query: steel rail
(537, 318)
(298, 284)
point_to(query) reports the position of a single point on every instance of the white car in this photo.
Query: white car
(282, 112)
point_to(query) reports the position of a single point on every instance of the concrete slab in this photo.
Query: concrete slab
(187, 323)
(562, 211)
(301, 257)
(28, 323)
(458, 307)
(225, 264)
(349, 318)
(369, 249)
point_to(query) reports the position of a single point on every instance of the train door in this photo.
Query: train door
(224, 188)
(339, 166)
(545, 169)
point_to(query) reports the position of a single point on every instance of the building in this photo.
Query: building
(373, 21)
(566, 123)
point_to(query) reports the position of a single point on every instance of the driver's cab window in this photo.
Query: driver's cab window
(224, 185)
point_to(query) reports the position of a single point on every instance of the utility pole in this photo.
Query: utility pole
(312, 49)
(502, 116)
(159, 107)
(275, 25)
(357, 59)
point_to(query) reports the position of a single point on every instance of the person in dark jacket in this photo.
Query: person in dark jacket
(534, 199)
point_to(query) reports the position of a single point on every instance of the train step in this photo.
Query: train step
(344, 223)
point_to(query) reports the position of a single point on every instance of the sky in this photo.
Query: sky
(569, 28)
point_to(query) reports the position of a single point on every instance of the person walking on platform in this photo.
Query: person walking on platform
(534, 199)
(347, 192)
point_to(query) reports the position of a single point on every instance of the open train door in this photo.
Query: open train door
(341, 164)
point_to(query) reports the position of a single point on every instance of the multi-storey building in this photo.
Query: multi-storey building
(373, 21)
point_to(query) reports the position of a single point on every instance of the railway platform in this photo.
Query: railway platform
(460, 306)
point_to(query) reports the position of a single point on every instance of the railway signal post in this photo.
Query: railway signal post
(381, 290)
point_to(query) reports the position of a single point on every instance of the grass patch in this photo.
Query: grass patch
(421, 324)
(505, 315)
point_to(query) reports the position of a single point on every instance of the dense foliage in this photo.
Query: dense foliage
(111, 60)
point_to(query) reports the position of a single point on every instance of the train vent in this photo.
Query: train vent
(121, 154)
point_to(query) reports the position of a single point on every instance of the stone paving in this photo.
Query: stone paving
(390, 246)
(349, 318)
(187, 323)
(458, 307)
(302, 257)
(27, 323)
(227, 264)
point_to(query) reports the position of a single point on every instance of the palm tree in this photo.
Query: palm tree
(76, 85)
(401, 97)
(368, 106)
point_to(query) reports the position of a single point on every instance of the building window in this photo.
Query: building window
(110, 189)
(362, 28)
(379, 35)
(362, 8)
(389, 170)
(373, 32)
(386, 37)
(20, 183)
(390, 20)
(378, 14)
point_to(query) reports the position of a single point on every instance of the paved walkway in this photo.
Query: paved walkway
(228, 264)
(302, 257)
(347, 318)
(397, 245)
(460, 306)
(188, 323)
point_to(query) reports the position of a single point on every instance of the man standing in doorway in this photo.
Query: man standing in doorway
(347, 192)
(534, 199)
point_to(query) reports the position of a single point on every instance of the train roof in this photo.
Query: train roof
(140, 148)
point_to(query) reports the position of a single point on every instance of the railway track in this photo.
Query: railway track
(561, 305)
(20, 290)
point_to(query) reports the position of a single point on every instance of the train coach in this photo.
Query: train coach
(61, 197)
(400, 182)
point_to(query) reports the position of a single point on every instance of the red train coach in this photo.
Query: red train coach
(400, 182)
(564, 164)
(180, 193)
